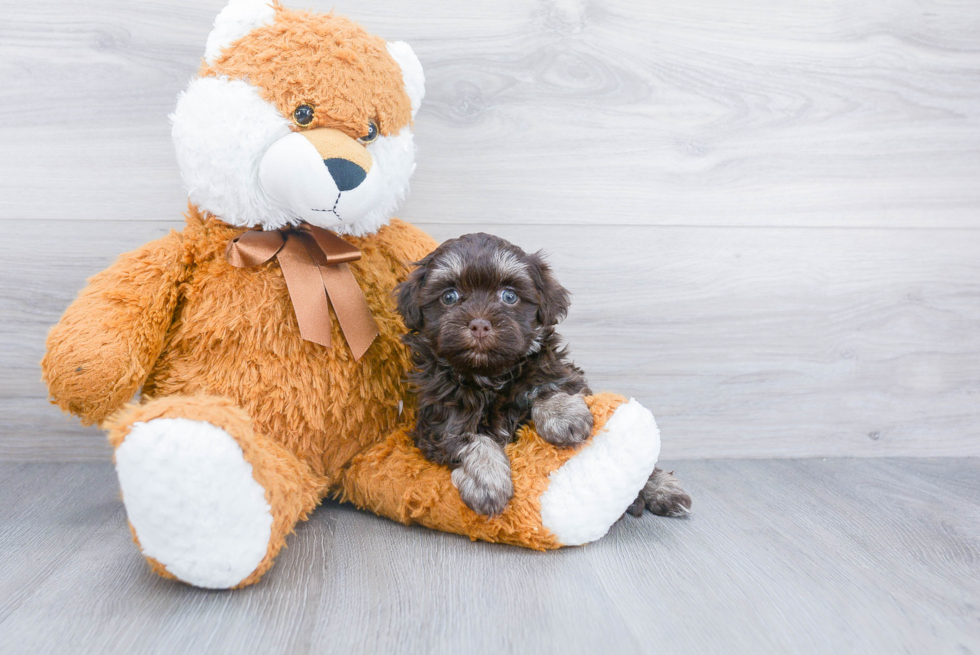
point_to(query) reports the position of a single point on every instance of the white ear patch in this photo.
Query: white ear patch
(412, 73)
(238, 18)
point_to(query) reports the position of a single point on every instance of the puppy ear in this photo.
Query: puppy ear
(409, 294)
(554, 298)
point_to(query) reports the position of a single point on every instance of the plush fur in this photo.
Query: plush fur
(228, 121)
(236, 20)
(484, 366)
(215, 351)
(623, 445)
(380, 475)
(193, 475)
(329, 62)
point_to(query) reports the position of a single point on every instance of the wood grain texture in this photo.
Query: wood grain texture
(768, 212)
(555, 111)
(852, 556)
(745, 342)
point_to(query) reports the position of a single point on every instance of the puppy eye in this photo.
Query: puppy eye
(451, 297)
(303, 115)
(508, 297)
(372, 134)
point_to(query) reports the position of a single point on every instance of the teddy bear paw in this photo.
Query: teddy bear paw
(192, 501)
(593, 489)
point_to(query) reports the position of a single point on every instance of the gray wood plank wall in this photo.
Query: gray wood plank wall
(769, 213)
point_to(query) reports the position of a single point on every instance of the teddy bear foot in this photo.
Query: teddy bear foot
(591, 490)
(192, 501)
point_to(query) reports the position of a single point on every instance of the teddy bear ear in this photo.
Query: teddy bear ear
(238, 18)
(412, 73)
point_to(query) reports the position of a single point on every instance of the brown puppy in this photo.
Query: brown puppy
(481, 314)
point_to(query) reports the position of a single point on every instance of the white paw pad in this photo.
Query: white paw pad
(592, 490)
(191, 497)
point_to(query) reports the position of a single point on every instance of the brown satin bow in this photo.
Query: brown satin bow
(314, 263)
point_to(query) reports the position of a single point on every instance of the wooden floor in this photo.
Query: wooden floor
(788, 556)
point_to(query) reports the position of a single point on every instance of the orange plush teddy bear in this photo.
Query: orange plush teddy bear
(264, 336)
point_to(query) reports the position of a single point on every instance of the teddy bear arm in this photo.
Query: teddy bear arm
(102, 349)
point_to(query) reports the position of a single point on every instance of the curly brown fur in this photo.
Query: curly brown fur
(662, 495)
(481, 314)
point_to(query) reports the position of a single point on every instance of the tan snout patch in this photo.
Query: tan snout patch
(332, 144)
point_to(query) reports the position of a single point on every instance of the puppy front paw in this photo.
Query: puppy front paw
(483, 477)
(662, 495)
(562, 419)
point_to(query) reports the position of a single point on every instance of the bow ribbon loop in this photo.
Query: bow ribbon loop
(314, 263)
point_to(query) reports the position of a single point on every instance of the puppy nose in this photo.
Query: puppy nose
(345, 173)
(479, 327)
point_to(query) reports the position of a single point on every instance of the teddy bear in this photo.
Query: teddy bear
(263, 340)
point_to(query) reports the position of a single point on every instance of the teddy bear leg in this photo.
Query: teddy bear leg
(209, 501)
(562, 496)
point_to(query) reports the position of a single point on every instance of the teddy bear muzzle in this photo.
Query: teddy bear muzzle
(323, 176)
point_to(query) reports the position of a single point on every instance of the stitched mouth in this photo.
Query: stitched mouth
(332, 210)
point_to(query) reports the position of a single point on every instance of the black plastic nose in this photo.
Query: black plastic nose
(479, 327)
(345, 173)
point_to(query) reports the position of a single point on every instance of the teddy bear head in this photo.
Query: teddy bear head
(298, 117)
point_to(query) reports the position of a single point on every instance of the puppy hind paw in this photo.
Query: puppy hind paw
(637, 507)
(662, 495)
(562, 419)
(484, 477)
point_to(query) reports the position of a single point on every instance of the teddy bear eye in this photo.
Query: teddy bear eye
(508, 297)
(451, 297)
(371, 135)
(303, 115)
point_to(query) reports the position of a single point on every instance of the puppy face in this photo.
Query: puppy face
(482, 303)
